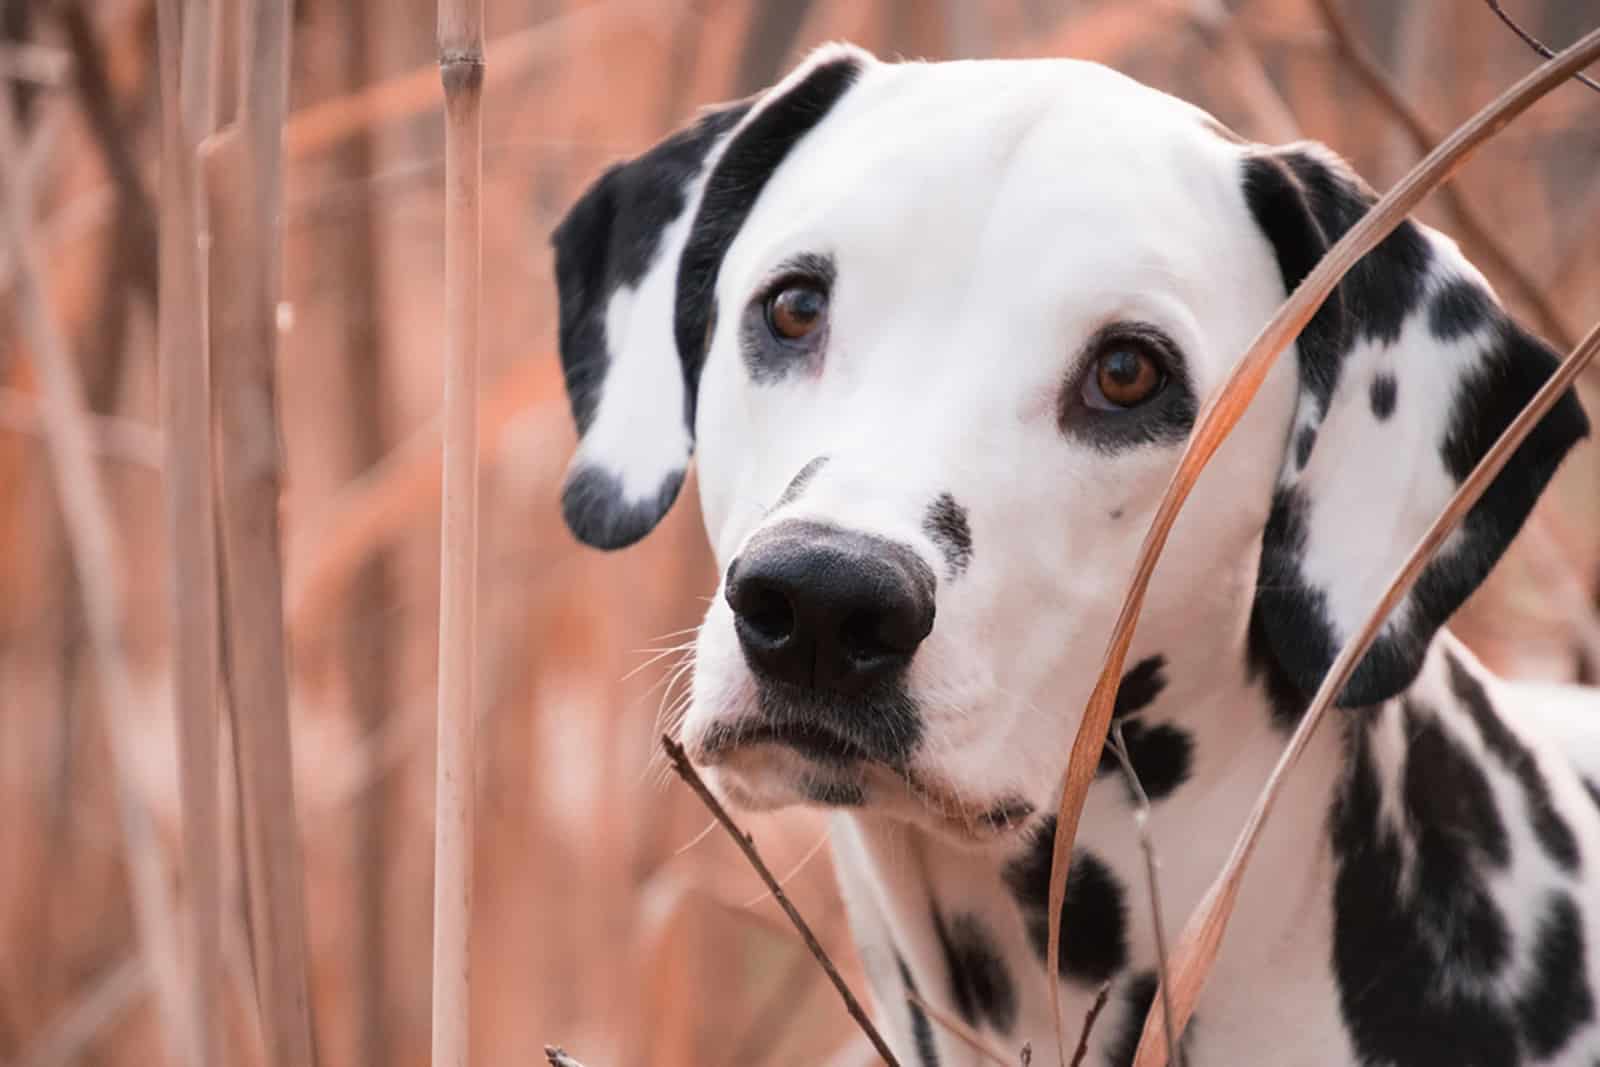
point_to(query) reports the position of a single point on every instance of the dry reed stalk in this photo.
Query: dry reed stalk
(747, 845)
(191, 524)
(461, 70)
(1202, 935)
(86, 515)
(244, 183)
(1224, 409)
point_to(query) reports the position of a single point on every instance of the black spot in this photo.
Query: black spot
(1383, 395)
(1140, 686)
(1448, 800)
(1304, 442)
(1552, 830)
(611, 237)
(1161, 755)
(731, 191)
(980, 985)
(921, 1028)
(1415, 960)
(1460, 307)
(946, 526)
(1592, 787)
(600, 514)
(1284, 698)
(1137, 998)
(1557, 999)
(1094, 940)
(798, 483)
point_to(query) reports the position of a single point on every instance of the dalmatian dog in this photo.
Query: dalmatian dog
(937, 333)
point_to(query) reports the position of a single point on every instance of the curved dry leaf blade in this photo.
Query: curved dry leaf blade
(1221, 413)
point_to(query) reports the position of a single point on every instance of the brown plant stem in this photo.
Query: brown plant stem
(747, 845)
(244, 180)
(191, 524)
(461, 69)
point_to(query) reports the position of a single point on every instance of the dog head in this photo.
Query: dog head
(938, 334)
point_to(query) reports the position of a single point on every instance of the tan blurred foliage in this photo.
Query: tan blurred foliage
(602, 921)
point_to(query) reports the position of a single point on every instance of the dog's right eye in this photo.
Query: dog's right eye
(795, 311)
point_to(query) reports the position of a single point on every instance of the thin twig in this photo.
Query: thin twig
(1473, 227)
(558, 1057)
(1221, 413)
(747, 845)
(111, 436)
(461, 70)
(1534, 43)
(1101, 995)
(1141, 821)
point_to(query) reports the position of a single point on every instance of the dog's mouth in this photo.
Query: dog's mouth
(764, 766)
(816, 743)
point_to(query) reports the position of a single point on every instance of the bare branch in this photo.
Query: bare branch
(747, 845)
(1534, 43)
(964, 1033)
(558, 1057)
(1101, 996)
(1221, 413)
(1473, 227)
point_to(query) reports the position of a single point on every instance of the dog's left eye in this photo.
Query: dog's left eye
(795, 311)
(1123, 374)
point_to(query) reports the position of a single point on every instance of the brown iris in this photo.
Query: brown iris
(796, 311)
(1124, 376)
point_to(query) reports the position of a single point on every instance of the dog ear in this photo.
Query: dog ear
(636, 260)
(1408, 374)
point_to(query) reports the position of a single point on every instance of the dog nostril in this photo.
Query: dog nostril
(768, 612)
(864, 639)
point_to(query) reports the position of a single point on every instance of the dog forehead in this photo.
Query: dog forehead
(922, 164)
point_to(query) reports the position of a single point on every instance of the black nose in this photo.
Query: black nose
(830, 609)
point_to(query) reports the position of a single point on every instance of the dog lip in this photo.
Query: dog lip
(814, 742)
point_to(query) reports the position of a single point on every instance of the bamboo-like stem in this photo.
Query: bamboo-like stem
(87, 518)
(1221, 413)
(243, 171)
(1202, 934)
(191, 520)
(461, 69)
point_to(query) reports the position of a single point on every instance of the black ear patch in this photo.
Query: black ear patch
(1478, 369)
(731, 192)
(638, 256)
(611, 238)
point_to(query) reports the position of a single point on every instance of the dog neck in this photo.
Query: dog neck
(965, 930)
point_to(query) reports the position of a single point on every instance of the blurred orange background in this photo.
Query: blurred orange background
(606, 920)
